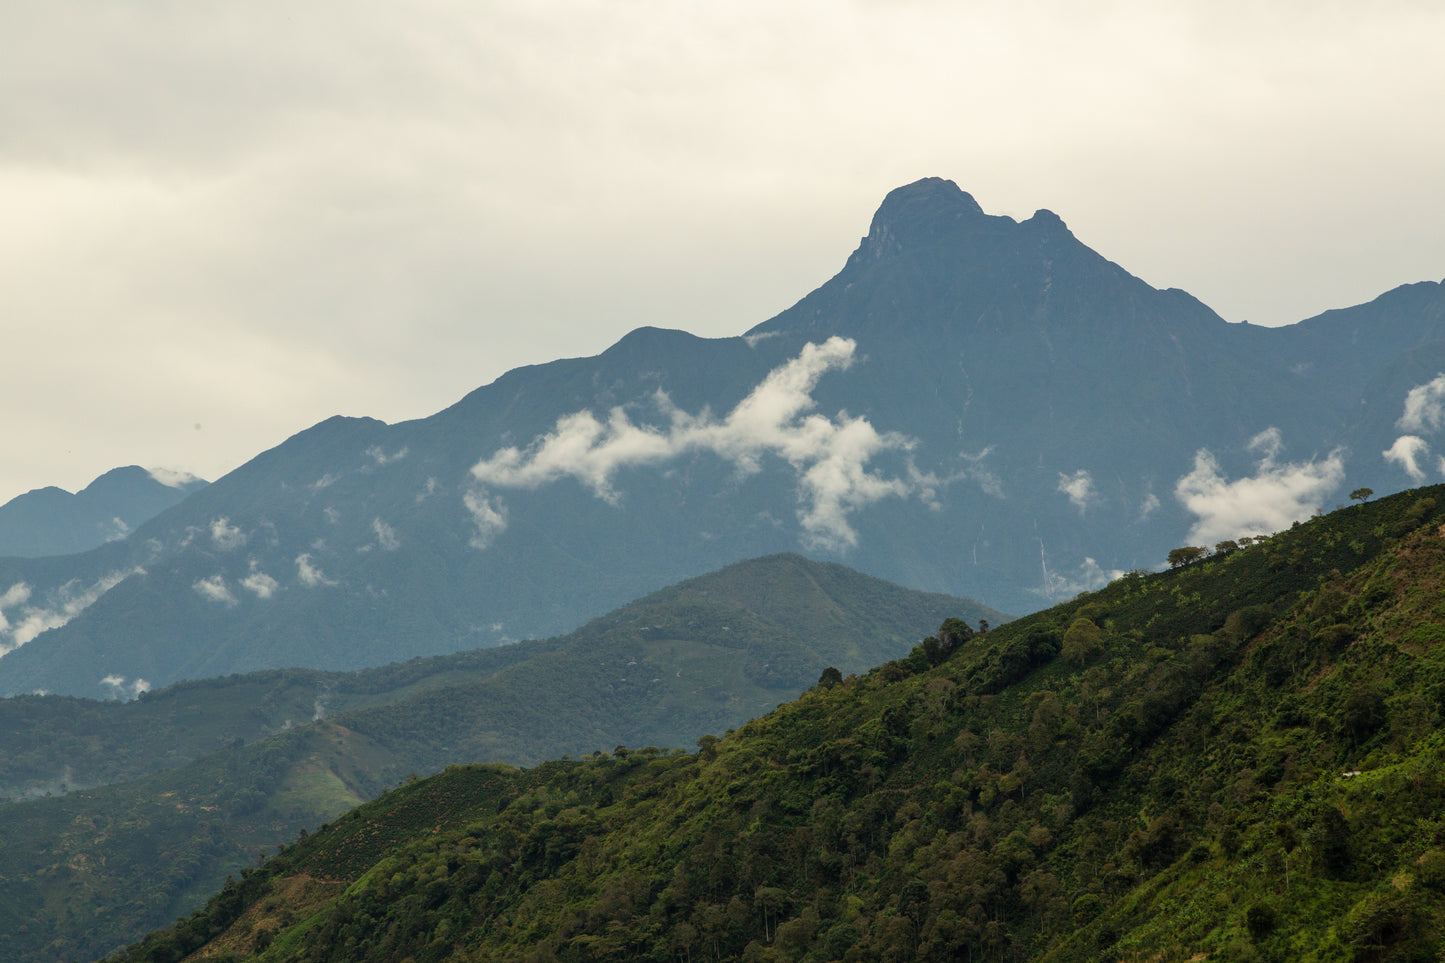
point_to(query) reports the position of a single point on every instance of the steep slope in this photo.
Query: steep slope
(52, 521)
(1237, 759)
(705, 655)
(973, 405)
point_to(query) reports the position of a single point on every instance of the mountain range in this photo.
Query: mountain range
(973, 404)
(53, 521)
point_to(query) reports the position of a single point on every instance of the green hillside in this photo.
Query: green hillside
(205, 775)
(1237, 759)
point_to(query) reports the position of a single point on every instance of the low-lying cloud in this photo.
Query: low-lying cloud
(386, 536)
(1276, 496)
(1088, 576)
(226, 536)
(214, 589)
(1080, 488)
(1424, 414)
(171, 478)
(260, 584)
(1407, 452)
(975, 468)
(21, 621)
(829, 455)
(1424, 407)
(309, 574)
(124, 689)
(376, 454)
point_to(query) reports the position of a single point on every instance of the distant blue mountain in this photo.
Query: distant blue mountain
(973, 405)
(52, 521)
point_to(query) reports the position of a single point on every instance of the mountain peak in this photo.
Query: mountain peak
(922, 208)
(1046, 220)
(928, 193)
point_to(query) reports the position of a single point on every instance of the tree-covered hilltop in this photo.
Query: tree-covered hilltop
(1240, 758)
(167, 795)
(713, 650)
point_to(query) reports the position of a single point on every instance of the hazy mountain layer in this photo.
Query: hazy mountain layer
(195, 798)
(972, 405)
(52, 521)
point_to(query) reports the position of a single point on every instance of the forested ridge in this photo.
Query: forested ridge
(157, 800)
(1239, 758)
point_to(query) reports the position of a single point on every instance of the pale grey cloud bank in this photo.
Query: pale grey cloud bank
(830, 456)
(224, 223)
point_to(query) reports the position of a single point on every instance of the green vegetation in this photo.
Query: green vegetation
(84, 873)
(1242, 760)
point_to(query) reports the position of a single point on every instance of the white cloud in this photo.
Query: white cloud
(385, 535)
(1088, 576)
(376, 454)
(63, 604)
(226, 536)
(1407, 452)
(17, 594)
(308, 574)
(1424, 407)
(171, 478)
(118, 530)
(974, 468)
(123, 689)
(1080, 488)
(1149, 506)
(829, 456)
(214, 589)
(1267, 444)
(489, 517)
(263, 585)
(1273, 498)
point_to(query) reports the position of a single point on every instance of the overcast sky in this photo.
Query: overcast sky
(223, 222)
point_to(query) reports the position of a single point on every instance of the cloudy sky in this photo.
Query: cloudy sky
(223, 222)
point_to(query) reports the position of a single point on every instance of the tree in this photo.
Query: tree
(953, 633)
(933, 650)
(1082, 641)
(1361, 494)
(1184, 555)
